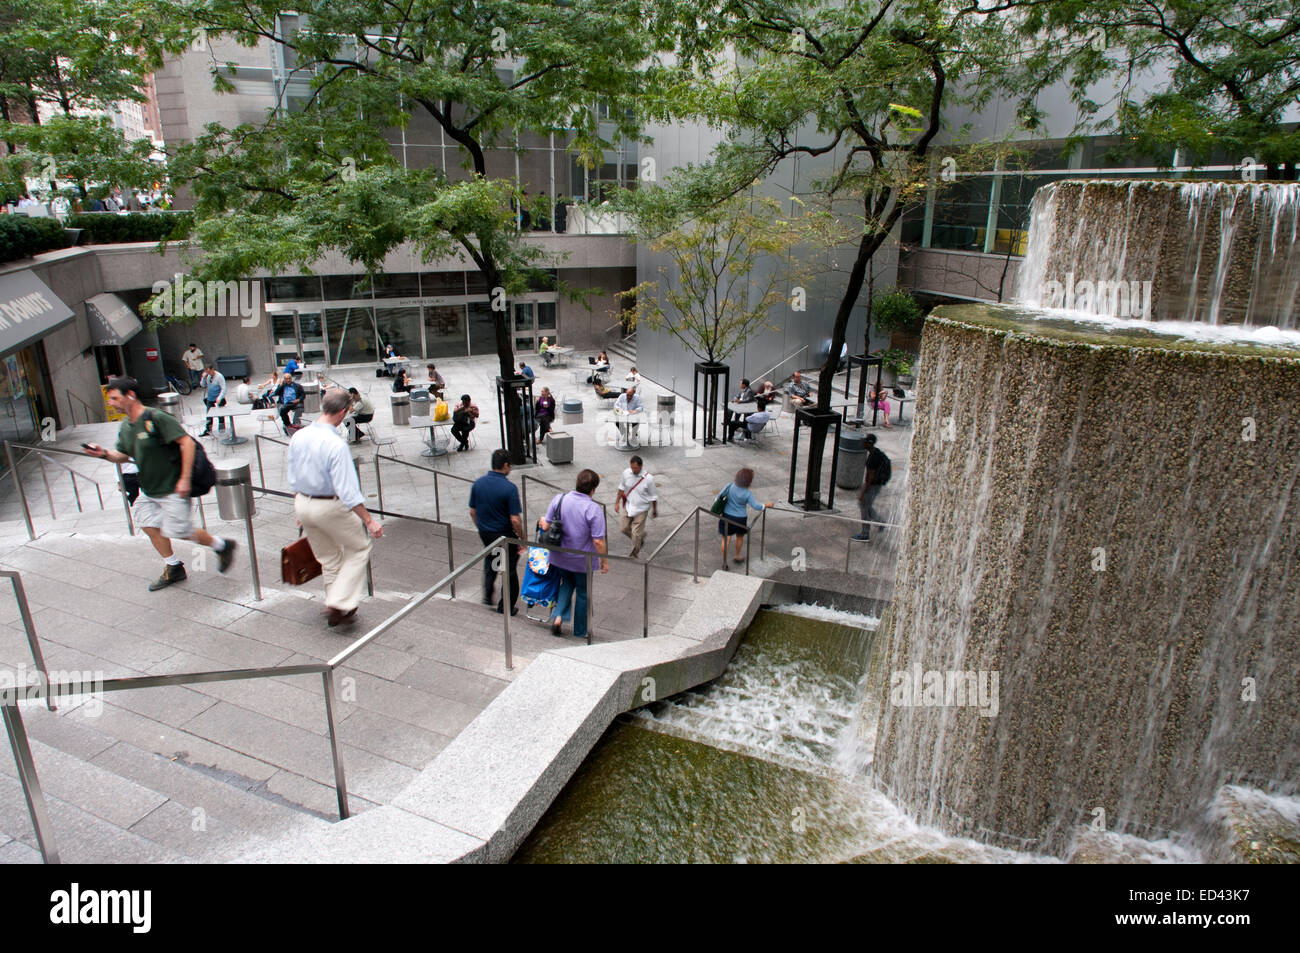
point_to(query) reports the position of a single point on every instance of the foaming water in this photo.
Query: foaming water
(1206, 253)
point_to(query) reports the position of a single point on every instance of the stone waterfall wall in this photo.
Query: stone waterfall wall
(1120, 689)
(1213, 252)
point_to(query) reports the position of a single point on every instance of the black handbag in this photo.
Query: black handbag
(553, 535)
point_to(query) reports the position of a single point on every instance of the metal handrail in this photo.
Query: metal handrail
(72, 410)
(42, 455)
(695, 514)
(765, 374)
(528, 476)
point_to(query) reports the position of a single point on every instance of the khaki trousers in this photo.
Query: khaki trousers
(342, 546)
(634, 527)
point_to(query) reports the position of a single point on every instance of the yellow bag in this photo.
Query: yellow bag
(440, 411)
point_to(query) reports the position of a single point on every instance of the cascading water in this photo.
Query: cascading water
(1209, 252)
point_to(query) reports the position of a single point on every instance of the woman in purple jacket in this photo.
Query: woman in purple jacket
(582, 525)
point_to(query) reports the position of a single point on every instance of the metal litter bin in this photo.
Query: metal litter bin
(310, 397)
(559, 447)
(233, 367)
(170, 402)
(571, 410)
(234, 489)
(853, 461)
(420, 403)
(401, 410)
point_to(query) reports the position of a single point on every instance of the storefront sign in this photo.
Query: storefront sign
(29, 310)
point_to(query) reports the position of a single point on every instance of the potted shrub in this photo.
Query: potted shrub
(895, 364)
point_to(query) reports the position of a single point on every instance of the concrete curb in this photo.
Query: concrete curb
(483, 794)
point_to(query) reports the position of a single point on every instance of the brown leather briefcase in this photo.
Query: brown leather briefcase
(298, 563)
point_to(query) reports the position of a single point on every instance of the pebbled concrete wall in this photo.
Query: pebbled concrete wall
(1093, 522)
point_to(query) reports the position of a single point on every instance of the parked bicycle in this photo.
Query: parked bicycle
(180, 385)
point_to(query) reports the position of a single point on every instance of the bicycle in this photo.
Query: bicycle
(180, 385)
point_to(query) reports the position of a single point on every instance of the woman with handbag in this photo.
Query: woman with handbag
(733, 505)
(544, 413)
(579, 523)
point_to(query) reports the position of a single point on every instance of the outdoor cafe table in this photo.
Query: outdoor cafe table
(435, 448)
(740, 410)
(557, 354)
(629, 428)
(232, 411)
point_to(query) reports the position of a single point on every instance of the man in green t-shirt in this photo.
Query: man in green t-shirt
(164, 509)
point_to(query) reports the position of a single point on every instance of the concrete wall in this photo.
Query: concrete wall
(960, 274)
(1085, 519)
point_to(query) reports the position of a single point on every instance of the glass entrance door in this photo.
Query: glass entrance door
(299, 334)
(525, 328)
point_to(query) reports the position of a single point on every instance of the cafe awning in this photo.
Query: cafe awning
(29, 310)
(112, 320)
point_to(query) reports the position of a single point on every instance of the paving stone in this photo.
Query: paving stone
(191, 832)
(314, 796)
(184, 746)
(16, 852)
(385, 835)
(88, 786)
(122, 649)
(394, 741)
(69, 731)
(452, 681)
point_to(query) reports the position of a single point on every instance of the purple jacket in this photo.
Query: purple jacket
(583, 521)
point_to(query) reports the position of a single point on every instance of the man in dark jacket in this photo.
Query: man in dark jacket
(877, 474)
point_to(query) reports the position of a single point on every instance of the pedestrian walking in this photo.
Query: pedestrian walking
(737, 501)
(192, 358)
(637, 493)
(164, 455)
(582, 527)
(213, 383)
(878, 471)
(329, 505)
(495, 510)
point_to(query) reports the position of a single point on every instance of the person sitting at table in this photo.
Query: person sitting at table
(363, 411)
(544, 413)
(290, 395)
(799, 392)
(605, 393)
(463, 420)
(402, 383)
(880, 401)
(766, 395)
(292, 366)
(526, 371)
(751, 425)
(745, 396)
(629, 402)
(435, 382)
(633, 377)
(542, 349)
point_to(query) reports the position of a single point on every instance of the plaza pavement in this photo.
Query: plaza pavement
(201, 772)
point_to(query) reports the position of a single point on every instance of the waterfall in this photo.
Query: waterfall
(1217, 253)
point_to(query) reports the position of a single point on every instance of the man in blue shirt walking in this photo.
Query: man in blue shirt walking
(214, 395)
(494, 508)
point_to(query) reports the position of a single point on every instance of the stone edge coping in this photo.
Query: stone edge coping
(482, 795)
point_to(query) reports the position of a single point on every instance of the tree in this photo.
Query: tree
(712, 301)
(865, 85)
(72, 61)
(1233, 73)
(321, 175)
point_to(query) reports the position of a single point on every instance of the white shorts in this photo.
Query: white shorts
(171, 514)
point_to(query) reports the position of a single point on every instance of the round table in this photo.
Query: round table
(740, 409)
(629, 428)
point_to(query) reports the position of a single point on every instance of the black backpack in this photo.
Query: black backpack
(203, 475)
(883, 472)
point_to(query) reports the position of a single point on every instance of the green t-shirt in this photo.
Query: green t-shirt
(159, 460)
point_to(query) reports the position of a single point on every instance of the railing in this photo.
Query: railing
(43, 454)
(767, 375)
(528, 476)
(72, 409)
(855, 520)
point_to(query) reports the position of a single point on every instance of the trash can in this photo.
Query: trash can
(310, 397)
(571, 410)
(401, 410)
(559, 447)
(420, 403)
(170, 402)
(234, 489)
(853, 461)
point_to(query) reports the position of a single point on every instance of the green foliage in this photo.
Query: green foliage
(106, 228)
(896, 360)
(896, 311)
(23, 237)
(1230, 72)
(712, 301)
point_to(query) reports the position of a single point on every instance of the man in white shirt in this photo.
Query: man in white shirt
(629, 402)
(637, 490)
(192, 358)
(331, 508)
